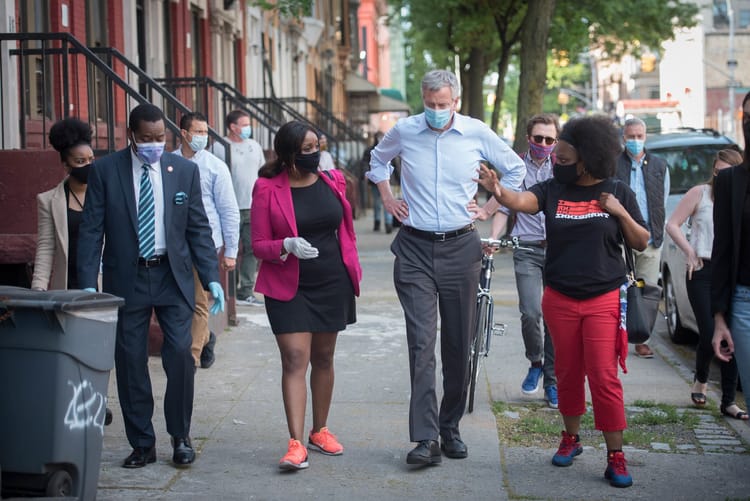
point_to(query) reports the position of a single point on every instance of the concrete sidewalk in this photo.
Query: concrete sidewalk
(239, 427)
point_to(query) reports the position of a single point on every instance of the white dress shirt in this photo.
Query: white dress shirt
(154, 173)
(219, 201)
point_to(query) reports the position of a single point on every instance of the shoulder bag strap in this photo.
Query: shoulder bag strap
(629, 259)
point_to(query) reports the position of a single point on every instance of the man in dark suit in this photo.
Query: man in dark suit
(144, 206)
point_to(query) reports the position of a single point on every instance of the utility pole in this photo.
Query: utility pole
(732, 65)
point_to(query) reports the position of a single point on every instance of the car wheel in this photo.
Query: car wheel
(677, 333)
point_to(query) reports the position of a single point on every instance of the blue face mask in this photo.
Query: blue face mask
(246, 132)
(634, 146)
(437, 119)
(150, 153)
(199, 142)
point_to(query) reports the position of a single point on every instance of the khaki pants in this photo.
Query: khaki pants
(199, 330)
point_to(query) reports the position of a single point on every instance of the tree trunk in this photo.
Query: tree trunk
(502, 71)
(534, 38)
(473, 86)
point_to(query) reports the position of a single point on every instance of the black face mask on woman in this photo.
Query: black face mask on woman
(565, 174)
(81, 174)
(308, 162)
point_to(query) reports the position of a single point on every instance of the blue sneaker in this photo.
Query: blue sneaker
(550, 395)
(533, 379)
(617, 470)
(570, 447)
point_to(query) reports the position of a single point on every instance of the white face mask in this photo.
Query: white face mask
(199, 142)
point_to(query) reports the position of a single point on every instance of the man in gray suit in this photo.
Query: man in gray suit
(144, 206)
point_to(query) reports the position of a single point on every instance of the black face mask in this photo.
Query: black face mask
(565, 174)
(81, 174)
(308, 162)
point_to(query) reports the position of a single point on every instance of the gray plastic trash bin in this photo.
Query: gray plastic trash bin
(56, 351)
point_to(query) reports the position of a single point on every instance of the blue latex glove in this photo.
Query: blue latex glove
(218, 294)
(90, 289)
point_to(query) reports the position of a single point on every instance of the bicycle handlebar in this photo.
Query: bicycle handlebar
(513, 243)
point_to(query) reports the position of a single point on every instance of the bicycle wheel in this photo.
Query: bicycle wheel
(477, 347)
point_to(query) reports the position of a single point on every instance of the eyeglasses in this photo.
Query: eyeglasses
(548, 140)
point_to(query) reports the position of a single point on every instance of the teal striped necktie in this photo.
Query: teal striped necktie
(146, 221)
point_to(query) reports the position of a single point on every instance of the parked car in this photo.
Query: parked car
(689, 153)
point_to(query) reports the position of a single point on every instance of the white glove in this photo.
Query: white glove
(300, 248)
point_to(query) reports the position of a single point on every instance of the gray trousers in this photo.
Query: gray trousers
(529, 268)
(247, 263)
(429, 276)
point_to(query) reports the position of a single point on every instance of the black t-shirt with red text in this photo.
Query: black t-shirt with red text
(584, 254)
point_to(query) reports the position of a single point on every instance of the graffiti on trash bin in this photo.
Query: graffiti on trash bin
(86, 408)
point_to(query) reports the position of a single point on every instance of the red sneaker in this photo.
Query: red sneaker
(326, 442)
(617, 470)
(295, 458)
(570, 447)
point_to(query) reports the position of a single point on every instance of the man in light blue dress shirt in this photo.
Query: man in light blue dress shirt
(438, 252)
(648, 176)
(220, 204)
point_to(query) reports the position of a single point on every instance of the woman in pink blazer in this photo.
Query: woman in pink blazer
(303, 235)
(60, 209)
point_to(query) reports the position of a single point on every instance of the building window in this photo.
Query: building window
(96, 36)
(744, 18)
(721, 17)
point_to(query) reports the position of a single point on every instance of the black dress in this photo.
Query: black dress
(74, 222)
(325, 298)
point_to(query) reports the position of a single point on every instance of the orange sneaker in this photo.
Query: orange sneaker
(324, 441)
(295, 458)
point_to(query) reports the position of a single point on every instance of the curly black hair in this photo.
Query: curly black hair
(597, 142)
(69, 133)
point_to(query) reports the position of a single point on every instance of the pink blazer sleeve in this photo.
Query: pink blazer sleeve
(272, 220)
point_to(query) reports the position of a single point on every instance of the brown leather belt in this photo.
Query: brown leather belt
(439, 236)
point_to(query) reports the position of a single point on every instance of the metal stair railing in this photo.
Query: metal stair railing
(222, 98)
(170, 103)
(339, 130)
(66, 78)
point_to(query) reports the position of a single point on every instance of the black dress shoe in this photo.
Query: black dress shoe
(140, 457)
(427, 452)
(183, 455)
(207, 354)
(454, 448)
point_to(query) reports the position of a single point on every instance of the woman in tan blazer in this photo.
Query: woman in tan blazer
(60, 209)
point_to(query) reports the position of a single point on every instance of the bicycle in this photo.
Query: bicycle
(485, 324)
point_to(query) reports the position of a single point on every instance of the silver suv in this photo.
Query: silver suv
(689, 153)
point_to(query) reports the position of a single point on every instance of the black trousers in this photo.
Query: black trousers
(157, 291)
(431, 276)
(699, 294)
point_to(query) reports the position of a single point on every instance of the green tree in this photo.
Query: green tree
(534, 38)
(482, 33)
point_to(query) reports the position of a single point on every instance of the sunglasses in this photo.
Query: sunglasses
(546, 139)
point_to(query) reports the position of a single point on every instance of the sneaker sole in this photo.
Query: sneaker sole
(613, 483)
(551, 405)
(318, 448)
(288, 466)
(578, 453)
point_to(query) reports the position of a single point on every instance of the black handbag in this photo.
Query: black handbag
(643, 303)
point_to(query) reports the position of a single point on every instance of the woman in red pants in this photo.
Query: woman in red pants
(588, 213)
